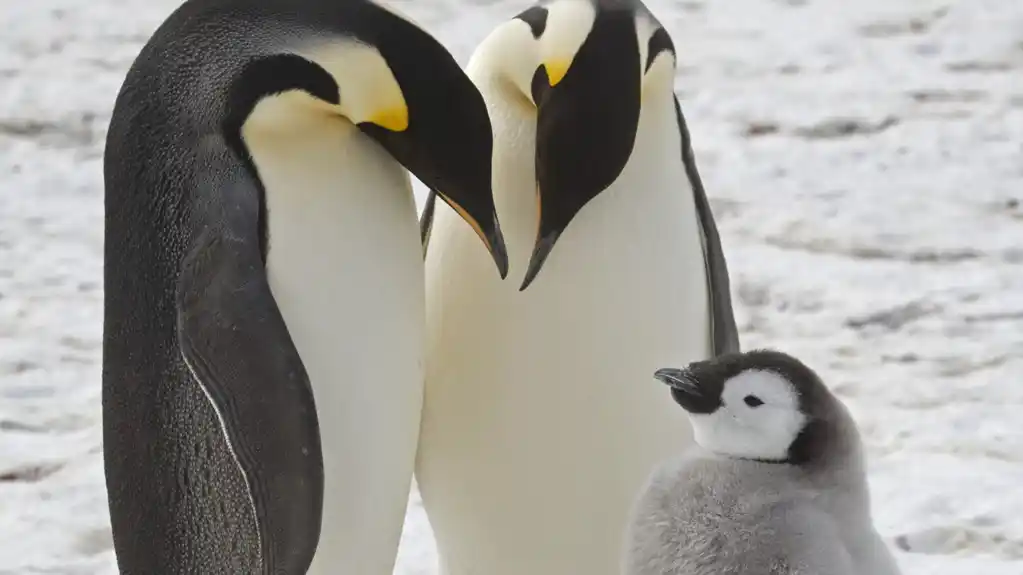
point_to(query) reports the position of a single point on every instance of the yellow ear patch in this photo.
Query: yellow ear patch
(556, 70)
(368, 90)
(394, 119)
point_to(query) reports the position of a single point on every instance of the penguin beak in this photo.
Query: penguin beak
(446, 141)
(490, 233)
(587, 116)
(687, 391)
(462, 183)
(454, 161)
(679, 379)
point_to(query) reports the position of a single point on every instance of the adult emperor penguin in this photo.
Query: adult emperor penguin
(262, 250)
(775, 486)
(536, 436)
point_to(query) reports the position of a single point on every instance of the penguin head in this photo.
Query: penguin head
(397, 84)
(582, 67)
(762, 405)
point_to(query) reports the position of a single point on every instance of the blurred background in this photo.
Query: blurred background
(865, 164)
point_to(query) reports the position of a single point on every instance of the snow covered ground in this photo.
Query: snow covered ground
(865, 161)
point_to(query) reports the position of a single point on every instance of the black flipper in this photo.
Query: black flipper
(724, 333)
(235, 341)
(426, 220)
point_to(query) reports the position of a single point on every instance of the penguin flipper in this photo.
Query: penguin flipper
(724, 332)
(237, 346)
(426, 221)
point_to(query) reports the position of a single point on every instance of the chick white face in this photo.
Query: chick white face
(758, 417)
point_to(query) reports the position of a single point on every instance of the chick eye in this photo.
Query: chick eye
(753, 401)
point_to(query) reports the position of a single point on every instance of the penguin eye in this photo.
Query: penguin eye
(753, 401)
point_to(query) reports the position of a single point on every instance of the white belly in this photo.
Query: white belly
(345, 267)
(542, 419)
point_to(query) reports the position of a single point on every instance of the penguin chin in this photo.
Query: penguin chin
(723, 434)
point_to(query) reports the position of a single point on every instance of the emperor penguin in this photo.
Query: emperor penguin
(774, 486)
(264, 310)
(535, 436)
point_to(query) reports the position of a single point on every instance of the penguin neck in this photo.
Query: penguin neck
(839, 480)
(344, 264)
(340, 214)
(343, 249)
(513, 119)
(840, 462)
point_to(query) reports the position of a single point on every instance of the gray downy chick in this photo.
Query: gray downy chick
(775, 485)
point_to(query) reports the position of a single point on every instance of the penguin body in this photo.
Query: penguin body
(264, 322)
(535, 438)
(775, 485)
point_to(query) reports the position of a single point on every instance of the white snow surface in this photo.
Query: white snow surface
(865, 164)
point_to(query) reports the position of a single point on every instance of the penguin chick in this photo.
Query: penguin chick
(775, 485)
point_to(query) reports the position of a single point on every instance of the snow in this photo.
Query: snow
(865, 163)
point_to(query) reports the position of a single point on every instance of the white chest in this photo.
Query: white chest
(345, 269)
(344, 252)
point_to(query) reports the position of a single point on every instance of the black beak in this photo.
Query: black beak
(687, 391)
(489, 232)
(679, 379)
(542, 248)
(495, 243)
(586, 127)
